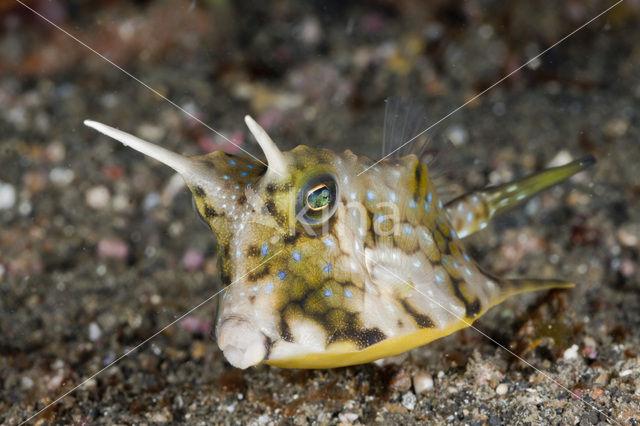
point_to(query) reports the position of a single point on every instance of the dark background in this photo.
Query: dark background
(99, 247)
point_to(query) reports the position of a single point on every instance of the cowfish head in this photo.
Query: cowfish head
(295, 240)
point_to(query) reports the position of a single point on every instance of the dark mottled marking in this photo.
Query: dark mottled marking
(253, 251)
(370, 337)
(417, 174)
(199, 191)
(252, 299)
(291, 238)
(268, 343)
(474, 308)
(225, 279)
(271, 207)
(471, 309)
(271, 188)
(242, 199)
(285, 331)
(254, 276)
(422, 320)
(400, 323)
(209, 211)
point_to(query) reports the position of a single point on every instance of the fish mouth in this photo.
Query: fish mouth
(242, 343)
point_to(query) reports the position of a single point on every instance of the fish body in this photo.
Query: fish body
(329, 259)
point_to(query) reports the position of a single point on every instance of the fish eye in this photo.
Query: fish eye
(316, 201)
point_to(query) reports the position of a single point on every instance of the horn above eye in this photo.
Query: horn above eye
(317, 199)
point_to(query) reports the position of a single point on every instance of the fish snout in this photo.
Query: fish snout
(242, 343)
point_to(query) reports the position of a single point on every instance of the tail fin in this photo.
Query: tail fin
(471, 212)
(504, 197)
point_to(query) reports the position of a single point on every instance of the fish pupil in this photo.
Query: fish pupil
(318, 198)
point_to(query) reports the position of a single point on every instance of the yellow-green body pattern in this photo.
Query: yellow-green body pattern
(326, 261)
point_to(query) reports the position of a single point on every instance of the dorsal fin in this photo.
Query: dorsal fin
(404, 119)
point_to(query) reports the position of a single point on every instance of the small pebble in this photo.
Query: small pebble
(625, 373)
(616, 128)
(589, 342)
(603, 378)
(61, 176)
(457, 135)
(422, 382)
(198, 349)
(94, 331)
(560, 159)
(55, 152)
(55, 381)
(112, 249)
(151, 201)
(590, 352)
(409, 401)
(196, 325)
(150, 132)
(347, 417)
(97, 197)
(7, 196)
(192, 259)
(174, 187)
(627, 267)
(26, 382)
(571, 353)
(502, 389)
(629, 234)
(401, 381)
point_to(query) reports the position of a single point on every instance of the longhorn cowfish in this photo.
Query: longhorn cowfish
(329, 259)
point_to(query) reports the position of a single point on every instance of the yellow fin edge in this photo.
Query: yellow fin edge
(342, 354)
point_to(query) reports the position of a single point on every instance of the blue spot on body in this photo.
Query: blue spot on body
(296, 256)
(470, 217)
(412, 203)
(225, 177)
(264, 250)
(441, 219)
(439, 204)
(371, 195)
(327, 268)
(379, 218)
(233, 162)
(328, 292)
(407, 229)
(429, 198)
(269, 288)
(329, 242)
(439, 277)
(392, 197)
(426, 206)
(455, 264)
(445, 260)
(282, 275)
(466, 257)
(243, 174)
(237, 187)
(347, 293)
(249, 184)
(249, 166)
(453, 233)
